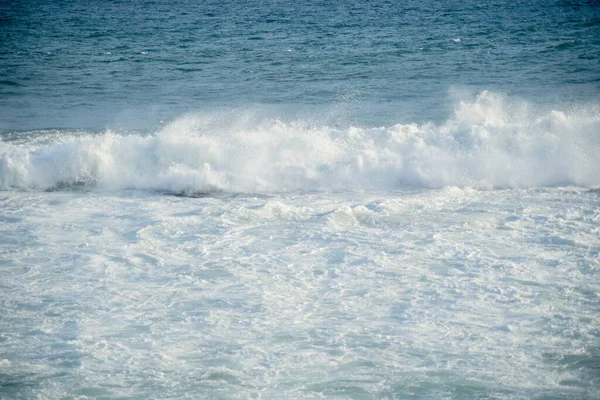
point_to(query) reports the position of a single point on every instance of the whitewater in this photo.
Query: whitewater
(489, 142)
(232, 255)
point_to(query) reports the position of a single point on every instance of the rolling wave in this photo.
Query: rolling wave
(489, 142)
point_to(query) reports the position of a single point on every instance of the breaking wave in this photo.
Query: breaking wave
(489, 142)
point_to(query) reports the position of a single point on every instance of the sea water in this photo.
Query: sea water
(292, 200)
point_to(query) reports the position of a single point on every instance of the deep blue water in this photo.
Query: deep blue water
(131, 64)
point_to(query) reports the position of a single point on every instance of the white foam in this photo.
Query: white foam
(489, 142)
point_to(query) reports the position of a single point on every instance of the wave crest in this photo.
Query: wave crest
(487, 143)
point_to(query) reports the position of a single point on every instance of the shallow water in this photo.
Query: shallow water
(405, 294)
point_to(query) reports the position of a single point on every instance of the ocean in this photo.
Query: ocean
(300, 200)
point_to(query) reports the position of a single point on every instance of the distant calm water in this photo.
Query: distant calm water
(296, 200)
(92, 64)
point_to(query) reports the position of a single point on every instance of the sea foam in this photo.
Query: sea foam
(489, 142)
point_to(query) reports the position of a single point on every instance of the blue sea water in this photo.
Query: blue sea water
(294, 200)
(122, 64)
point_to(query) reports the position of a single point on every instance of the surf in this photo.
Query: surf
(489, 142)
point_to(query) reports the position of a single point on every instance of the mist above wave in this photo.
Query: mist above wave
(490, 142)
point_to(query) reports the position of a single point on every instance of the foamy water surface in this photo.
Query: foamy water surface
(224, 257)
(300, 200)
(421, 293)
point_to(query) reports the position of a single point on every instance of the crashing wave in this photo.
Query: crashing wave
(487, 143)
